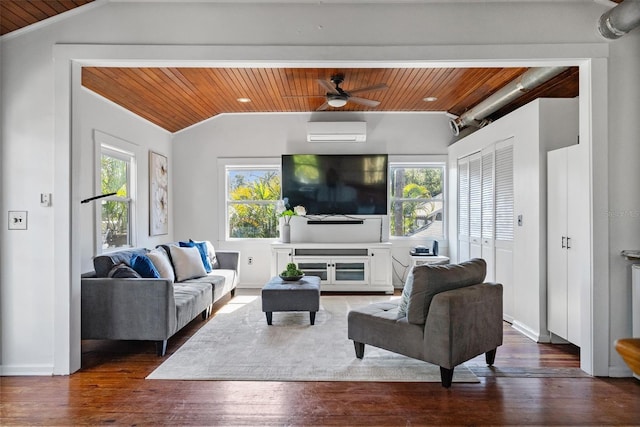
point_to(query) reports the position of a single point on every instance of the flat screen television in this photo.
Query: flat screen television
(336, 184)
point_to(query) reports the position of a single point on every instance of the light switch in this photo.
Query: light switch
(17, 220)
(519, 220)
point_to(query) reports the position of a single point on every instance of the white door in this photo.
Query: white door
(577, 237)
(475, 206)
(463, 209)
(488, 212)
(504, 224)
(557, 242)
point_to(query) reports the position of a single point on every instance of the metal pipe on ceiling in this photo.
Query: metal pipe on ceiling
(514, 89)
(619, 20)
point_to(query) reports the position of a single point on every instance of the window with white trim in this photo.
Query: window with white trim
(252, 193)
(417, 200)
(114, 224)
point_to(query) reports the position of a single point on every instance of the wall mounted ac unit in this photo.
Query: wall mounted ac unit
(336, 131)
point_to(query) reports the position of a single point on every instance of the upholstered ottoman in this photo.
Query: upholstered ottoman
(301, 295)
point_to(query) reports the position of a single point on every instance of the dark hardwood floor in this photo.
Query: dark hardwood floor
(530, 384)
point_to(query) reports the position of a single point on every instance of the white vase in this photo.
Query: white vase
(286, 233)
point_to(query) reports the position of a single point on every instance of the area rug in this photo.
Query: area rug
(237, 344)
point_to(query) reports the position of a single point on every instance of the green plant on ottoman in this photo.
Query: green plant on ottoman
(292, 273)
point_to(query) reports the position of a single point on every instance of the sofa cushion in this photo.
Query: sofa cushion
(103, 263)
(162, 263)
(202, 248)
(144, 267)
(191, 299)
(429, 280)
(123, 271)
(187, 263)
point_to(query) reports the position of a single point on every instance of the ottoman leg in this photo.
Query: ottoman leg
(269, 315)
(312, 317)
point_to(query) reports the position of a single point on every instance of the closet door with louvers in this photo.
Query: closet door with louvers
(475, 205)
(463, 209)
(488, 212)
(504, 224)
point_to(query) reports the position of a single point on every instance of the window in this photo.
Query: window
(115, 224)
(417, 200)
(251, 196)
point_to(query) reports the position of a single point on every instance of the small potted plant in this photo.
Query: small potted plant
(286, 214)
(292, 273)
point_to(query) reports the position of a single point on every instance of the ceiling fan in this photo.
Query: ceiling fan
(337, 97)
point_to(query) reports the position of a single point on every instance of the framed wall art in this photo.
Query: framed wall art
(158, 194)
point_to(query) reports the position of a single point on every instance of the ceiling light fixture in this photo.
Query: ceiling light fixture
(336, 101)
(430, 99)
(243, 99)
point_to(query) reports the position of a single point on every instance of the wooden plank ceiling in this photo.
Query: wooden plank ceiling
(17, 14)
(176, 98)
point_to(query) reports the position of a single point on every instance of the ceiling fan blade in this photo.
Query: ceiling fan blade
(302, 96)
(323, 107)
(325, 84)
(362, 101)
(381, 86)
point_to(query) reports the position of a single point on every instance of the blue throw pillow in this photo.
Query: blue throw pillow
(202, 248)
(144, 267)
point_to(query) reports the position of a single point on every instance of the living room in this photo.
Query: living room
(34, 85)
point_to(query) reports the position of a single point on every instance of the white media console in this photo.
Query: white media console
(342, 267)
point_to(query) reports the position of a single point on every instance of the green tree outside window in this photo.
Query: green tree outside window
(252, 198)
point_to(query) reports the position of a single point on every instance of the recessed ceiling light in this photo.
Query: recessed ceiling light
(430, 99)
(243, 99)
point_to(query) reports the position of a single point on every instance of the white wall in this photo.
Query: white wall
(196, 152)
(93, 113)
(33, 120)
(540, 126)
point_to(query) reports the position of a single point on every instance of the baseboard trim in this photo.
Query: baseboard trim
(26, 370)
(530, 333)
(620, 372)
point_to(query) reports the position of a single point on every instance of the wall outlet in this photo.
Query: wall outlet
(45, 199)
(250, 260)
(17, 220)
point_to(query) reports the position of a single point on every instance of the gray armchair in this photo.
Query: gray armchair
(446, 316)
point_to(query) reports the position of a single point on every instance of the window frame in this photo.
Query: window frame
(122, 150)
(224, 165)
(420, 161)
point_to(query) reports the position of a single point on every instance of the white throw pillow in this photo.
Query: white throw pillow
(161, 262)
(187, 263)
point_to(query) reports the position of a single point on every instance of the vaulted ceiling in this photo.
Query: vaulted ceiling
(175, 98)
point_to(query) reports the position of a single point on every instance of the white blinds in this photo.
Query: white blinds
(487, 195)
(475, 196)
(504, 192)
(463, 197)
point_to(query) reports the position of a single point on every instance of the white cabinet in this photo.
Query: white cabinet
(380, 263)
(335, 271)
(341, 267)
(565, 243)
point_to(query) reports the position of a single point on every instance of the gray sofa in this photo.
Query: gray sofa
(446, 316)
(149, 308)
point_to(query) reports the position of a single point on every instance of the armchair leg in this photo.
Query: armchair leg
(359, 349)
(490, 356)
(446, 375)
(161, 348)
